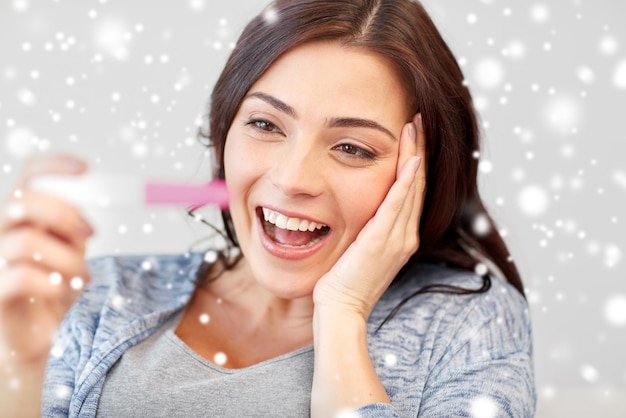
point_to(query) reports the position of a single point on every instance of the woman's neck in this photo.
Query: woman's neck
(236, 289)
(234, 312)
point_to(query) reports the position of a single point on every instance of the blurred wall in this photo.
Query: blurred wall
(124, 84)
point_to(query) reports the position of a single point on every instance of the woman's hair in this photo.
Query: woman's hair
(401, 32)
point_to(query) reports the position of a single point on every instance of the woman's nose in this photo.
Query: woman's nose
(298, 170)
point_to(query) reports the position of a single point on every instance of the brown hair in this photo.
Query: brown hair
(402, 32)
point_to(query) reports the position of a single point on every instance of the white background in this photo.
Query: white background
(125, 83)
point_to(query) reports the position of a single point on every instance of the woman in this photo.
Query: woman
(346, 137)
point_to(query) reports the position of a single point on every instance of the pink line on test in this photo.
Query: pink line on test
(214, 193)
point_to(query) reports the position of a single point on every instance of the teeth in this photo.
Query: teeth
(291, 224)
(281, 221)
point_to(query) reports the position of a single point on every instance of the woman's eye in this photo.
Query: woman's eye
(355, 151)
(263, 125)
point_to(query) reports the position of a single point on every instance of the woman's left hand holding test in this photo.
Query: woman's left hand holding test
(344, 377)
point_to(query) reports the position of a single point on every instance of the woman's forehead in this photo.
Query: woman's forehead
(338, 78)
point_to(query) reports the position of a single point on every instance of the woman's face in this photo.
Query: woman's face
(309, 157)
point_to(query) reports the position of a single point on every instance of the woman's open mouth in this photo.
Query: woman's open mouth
(290, 232)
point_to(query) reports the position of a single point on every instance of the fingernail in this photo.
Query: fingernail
(412, 133)
(85, 229)
(418, 163)
(74, 166)
(419, 125)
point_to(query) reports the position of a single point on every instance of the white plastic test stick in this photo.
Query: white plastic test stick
(106, 190)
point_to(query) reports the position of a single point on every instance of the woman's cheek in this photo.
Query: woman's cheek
(365, 196)
(241, 161)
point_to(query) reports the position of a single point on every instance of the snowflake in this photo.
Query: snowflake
(589, 373)
(391, 360)
(619, 75)
(608, 45)
(220, 358)
(488, 73)
(204, 318)
(540, 13)
(615, 310)
(483, 407)
(270, 16)
(533, 200)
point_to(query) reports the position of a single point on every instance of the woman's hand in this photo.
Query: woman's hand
(386, 242)
(42, 267)
(344, 377)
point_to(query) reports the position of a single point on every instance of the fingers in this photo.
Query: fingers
(41, 235)
(42, 267)
(412, 147)
(37, 264)
(28, 246)
(42, 230)
(388, 239)
(418, 191)
(408, 145)
(55, 164)
(40, 210)
(404, 201)
(44, 212)
(30, 282)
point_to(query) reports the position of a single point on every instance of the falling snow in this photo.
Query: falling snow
(63, 392)
(77, 283)
(563, 114)
(210, 257)
(347, 413)
(481, 269)
(483, 407)
(147, 228)
(612, 255)
(481, 225)
(589, 373)
(20, 142)
(615, 310)
(548, 80)
(489, 73)
(57, 351)
(204, 319)
(533, 200)
(391, 360)
(270, 16)
(540, 13)
(585, 74)
(619, 75)
(220, 358)
(55, 279)
(111, 37)
(608, 45)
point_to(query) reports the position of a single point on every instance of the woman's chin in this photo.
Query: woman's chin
(283, 283)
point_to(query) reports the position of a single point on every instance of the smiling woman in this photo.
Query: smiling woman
(310, 144)
(345, 135)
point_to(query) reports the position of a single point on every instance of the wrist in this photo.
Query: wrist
(344, 378)
(339, 316)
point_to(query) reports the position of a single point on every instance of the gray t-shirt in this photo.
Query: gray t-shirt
(440, 355)
(163, 377)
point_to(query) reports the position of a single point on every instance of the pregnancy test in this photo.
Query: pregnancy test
(107, 190)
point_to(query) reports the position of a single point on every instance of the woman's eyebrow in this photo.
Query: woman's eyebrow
(360, 123)
(347, 122)
(274, 102)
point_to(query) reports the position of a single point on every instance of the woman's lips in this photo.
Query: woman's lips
(290, 237)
